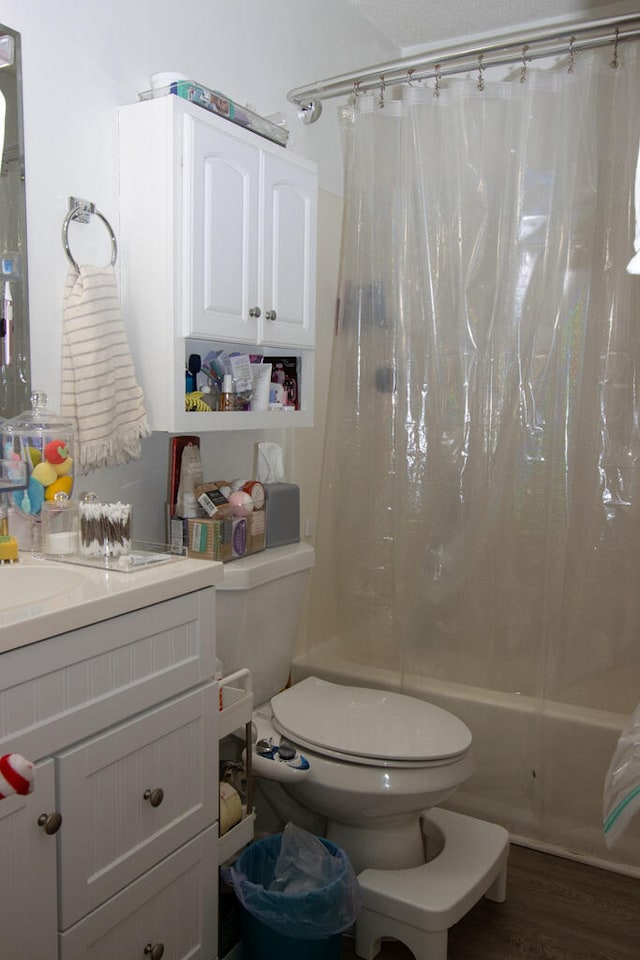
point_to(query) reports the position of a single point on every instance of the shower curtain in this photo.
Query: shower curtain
(480, 507)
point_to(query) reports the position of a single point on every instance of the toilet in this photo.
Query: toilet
(371, 762)
(377, 761)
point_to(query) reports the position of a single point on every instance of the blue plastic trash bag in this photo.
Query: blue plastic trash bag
(297, 884)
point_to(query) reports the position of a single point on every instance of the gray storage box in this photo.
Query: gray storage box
(283, 513)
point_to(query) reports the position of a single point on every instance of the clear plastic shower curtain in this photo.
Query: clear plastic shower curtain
(480, 505)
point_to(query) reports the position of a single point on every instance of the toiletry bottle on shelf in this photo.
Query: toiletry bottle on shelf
(211, 396)
(227, 399)
(189, 381)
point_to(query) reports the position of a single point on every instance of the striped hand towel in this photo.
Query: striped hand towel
(99, 388)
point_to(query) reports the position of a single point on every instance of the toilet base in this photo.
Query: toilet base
(395, 845)
(417, 906)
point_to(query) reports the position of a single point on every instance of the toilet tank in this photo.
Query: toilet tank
(258, 608)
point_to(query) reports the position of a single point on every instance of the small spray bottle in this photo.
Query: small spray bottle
(227, 396)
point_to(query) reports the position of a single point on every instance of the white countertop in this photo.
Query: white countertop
(93, 594)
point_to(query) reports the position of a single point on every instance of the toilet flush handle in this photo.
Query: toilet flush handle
(264, 747)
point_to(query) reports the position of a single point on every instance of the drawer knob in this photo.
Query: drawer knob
(155, 798)
(50, 822)
(154, 950)
(271, 315)
(255, 312)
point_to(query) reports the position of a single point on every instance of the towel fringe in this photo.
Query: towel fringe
(114, 451)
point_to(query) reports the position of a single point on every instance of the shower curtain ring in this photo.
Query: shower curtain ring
(410, 74)
(615, 62)
(382, 89)
(436, 86)
(572, 56)
(525, 61)
(480, 74)
(356, 92)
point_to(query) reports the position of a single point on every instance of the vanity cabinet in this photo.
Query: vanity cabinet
(218, 238)
(121, 717)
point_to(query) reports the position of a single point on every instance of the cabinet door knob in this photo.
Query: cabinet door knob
(50, 822)
(271, 315)
(154, 950)
(155, 798)
(255, 312)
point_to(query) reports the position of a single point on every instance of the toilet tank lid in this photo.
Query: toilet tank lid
(376, 724)
(269, 564)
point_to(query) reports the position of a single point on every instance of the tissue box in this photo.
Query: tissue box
(283, 513)
(228, 538)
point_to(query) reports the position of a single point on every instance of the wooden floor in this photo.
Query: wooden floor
(555, 909)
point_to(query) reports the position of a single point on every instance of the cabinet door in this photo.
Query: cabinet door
(133, 795)
(289, 262)
(220, 234)
(28, 919)
(172, 908)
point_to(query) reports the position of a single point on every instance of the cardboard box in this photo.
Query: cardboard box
(227, 538)
(178, 534)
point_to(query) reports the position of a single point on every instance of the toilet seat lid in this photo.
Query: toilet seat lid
(377, 725)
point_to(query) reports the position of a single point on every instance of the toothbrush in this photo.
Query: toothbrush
(7, 312)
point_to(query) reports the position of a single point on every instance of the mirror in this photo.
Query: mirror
(15, 387)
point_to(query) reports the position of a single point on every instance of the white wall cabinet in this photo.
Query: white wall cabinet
(250, 252)
(122, 719)
(218, 241)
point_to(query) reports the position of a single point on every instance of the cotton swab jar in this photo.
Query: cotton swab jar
(105, 528)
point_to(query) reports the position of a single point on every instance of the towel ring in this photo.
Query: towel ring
(81, 210)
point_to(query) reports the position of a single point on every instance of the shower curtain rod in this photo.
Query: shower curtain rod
(443, 61)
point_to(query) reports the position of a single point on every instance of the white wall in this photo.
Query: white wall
(82, 59)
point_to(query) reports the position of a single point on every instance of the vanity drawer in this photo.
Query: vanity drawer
(174, 904)
(133, 795)
(61, 690)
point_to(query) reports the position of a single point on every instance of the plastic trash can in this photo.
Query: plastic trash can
(259, 942)
(302, 915)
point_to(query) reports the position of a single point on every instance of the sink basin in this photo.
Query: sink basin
(24, 586)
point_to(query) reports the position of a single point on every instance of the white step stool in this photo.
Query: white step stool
(418, 905)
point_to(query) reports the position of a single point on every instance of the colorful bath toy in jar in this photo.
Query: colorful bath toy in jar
(46, 443)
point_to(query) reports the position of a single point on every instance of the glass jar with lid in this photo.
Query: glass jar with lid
(46, 443)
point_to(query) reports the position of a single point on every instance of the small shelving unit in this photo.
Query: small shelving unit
(235, 699)
(190, 421)
(236, 702)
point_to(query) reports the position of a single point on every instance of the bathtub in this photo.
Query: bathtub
(540, 765)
